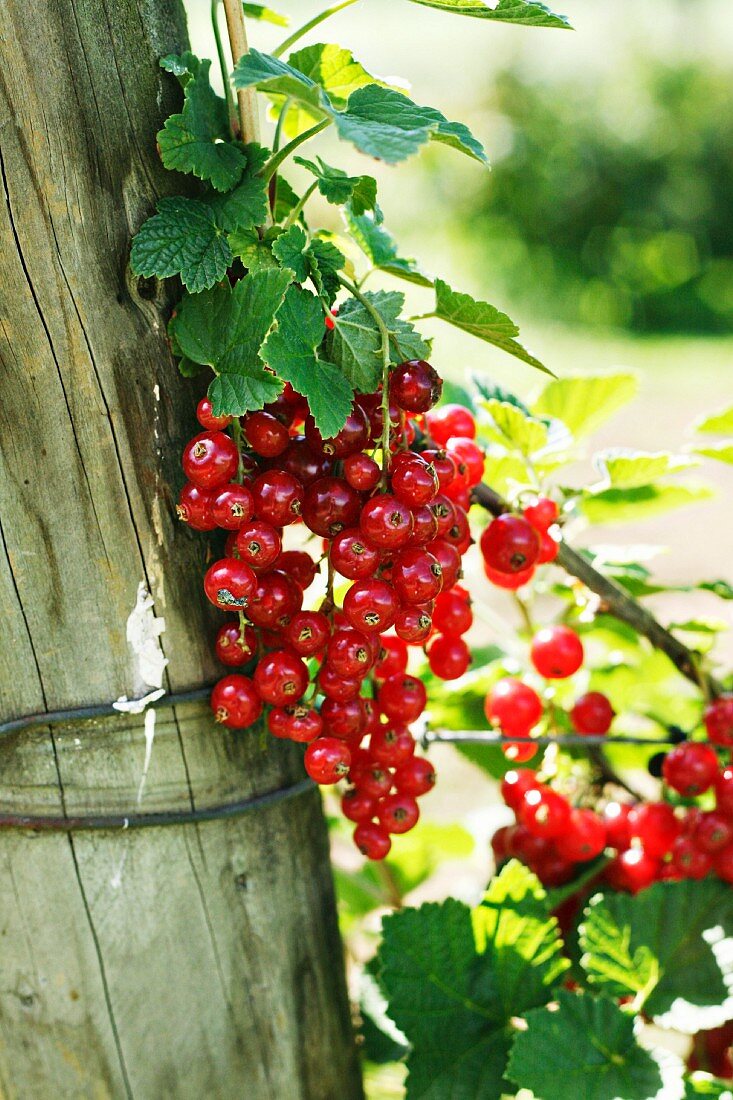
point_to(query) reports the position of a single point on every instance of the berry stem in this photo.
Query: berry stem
(524, 612)
(618, 602)
(393, 894)
(298, 210)
(310, 25)
(237, 433)
(277, 159)
(249, 119)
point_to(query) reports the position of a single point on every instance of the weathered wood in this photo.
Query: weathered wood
(192, 961)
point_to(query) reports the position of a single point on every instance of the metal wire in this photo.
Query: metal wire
(489, 737)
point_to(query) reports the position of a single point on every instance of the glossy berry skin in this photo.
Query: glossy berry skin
(327, 760)
(510, 544)
(299, 566)
(353, 437)
(330, 505)
(349, 653)
(195, 507)
(206, 418)
(304, 463)
(371, 778)
(615, 817)
(236, 702)
(413, 625)
(633, 870)
(392, 659)
(372, 841)
(713, 832)
(232, 507)
(229, 584)
(592, 714)
(459, 535)
(448, 559)
(444, 513)
(391, 746)
(337, 687)
(301, 724)
(688, 860)
(343, 719)
(719, 720)
(513, 706)
(281, 678)
(723, 864)
(371, 606)
(258, 544)
(450, 420)
(402, 698)
(544, 812)
(549, 548)
(511, 581)
(655, 825)
(353, 556)
(515, 785)
(398, 813)
(467, 454)
(556, 652)
(210, 460)
(416, 576)
(415, 386)
(361, 472)
(690, 768)
(386, 521)
(235, 647)
(584, 839)
(308, 632)
(415, 778)
(449, 657)
(452, 613)
(278, 497)
(414, 482)
(443, 464)
(358, 806)
(542, 514)
(724, 791)
(266, 435)
(520, 752)
(274, 601)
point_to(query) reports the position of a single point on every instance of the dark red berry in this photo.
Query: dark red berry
(308, 632)
(415, 386)
(690, 768)
(353, 437)
(415, 777)
(713, 832)
(304, 463)
(402, 698)
(229, 583)
(386, 521)
(349, 653)
(361, 472)
(719, 720)
(330, 505)
(195, 507)
(413, 625)
(357, 805)
(343, 718)
(266, 435)
(416, 576)
(236, 702)
(592, 713)
(371, 606)
(398, 813)
(232, 506)
(275, 600)
(235, 645)
(353, 556)
(206, 418)
(391, 746)
(372, 841)
(278, 497)
(414, 482)
(210, 460)
(299, 566)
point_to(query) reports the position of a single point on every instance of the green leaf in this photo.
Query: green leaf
(270, 74)
(320, 260)
(380, 247)
(254, 251)
(290, 248)
(481, 320)
(519, 939)
(224, 328)
(182, 239)
(586, 1048)
(585, 402)
(514, 429)
(721, 452)
(184, 66)
(627, 505)
(334, 68)
(197, 141)
(429, 960)
(265, 15)
(654, 946)
(627, 469)
(291, 352)
(717, 424)
(242, 208)
(355, 343)
(339, 188)
(530, 13)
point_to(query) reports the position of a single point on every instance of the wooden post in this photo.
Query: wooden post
(193, 961)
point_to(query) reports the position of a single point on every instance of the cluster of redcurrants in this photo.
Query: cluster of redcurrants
(395, 531)
(653, 841)
(512, 546)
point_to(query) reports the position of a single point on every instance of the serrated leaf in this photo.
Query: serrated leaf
(265, 15)
(380, 247)
(184, 66)
(481, 320)
(519, 940)
(242, 208)
(224, 328)
(512, 428)
(628, 469)
(428, 960)
(291, 352)
(339, 188)
(355, 342)
(586, 1047)
(627, 505)
(290, 248)
(529, 13)
(182, 239)
(717, 423)
(653, 945)
(585, 402)
(196, 141)
(491, 391)
(320, 260)
(270, 74)
(334, 68)
(721, 452)
(254, 251)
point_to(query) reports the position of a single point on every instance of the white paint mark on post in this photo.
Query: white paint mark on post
(149, 738)
(144, 629)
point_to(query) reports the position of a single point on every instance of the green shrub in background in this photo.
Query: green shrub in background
(611, 204)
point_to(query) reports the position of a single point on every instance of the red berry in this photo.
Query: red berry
(515, 785)
(616, 820)
(719, 720)
(236, 702)
(392, 657)
(386, 521)
(723, 864)
(353, 437)
(258, 544)
(299, 565)
(509, 544)
(361, 472)
(327, 760)
(281, 678)
(633, 870)
(512, 581)
(278, 497)
(414, 482)
(372, 841)
(358, 806)
(297, 723)
(452, 613)
(266, 435)
(688, 860)
(398, 813)
(557, 652)
(371, 778)
(416, 576)
(235, 646)
(544, 812)
(444, 513)
(413, 625)
(460, 533)
(206, 418)
(274, 601)
(353, 556)
(337, 687)
(450, 420)
(513, 706)
(449, 561)
(470, 456)
(303, 463)
(343, 718)
(232, 507)
(371, 606)
(592, 713)
(690, 768)
(585, 837)
(449, 657)
(655, 825)
(402, 698)
(713, 832)
(415, 777)
(542, 514)
(210, 460)
(724, 791)
(194, 507)
(443, 464)
(330, 505)
(349, 653)
(391, 746)
(229, 583)
(308, 632)
(415, 386)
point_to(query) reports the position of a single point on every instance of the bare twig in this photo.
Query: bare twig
(249, 120)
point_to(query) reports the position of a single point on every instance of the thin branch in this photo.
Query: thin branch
(309, 26)
(282, 154)
(249, 119)
(231, 112)
(617, 602)
(576, 740)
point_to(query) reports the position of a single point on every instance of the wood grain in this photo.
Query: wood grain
(191, 961)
